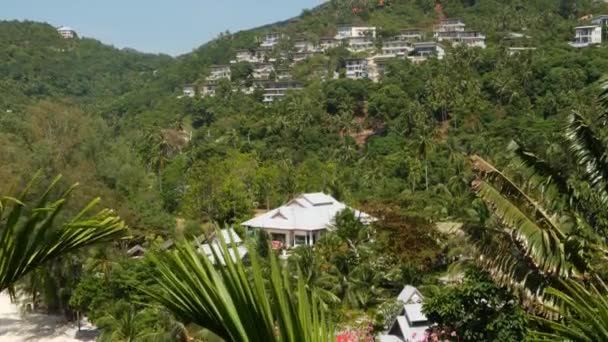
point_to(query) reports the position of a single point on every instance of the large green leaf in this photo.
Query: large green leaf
(30, 234)
(232, 305)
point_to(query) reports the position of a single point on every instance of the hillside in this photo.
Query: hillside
(38, 63)
(178, 146)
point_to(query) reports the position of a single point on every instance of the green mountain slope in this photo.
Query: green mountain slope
(38, 63)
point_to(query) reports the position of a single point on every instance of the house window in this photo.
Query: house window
(300, 240)
(278, 237)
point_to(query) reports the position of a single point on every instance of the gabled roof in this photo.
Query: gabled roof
(65, 28)
(312, 211)
(409, 294)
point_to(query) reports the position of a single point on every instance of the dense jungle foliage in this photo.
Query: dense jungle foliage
(175, 167)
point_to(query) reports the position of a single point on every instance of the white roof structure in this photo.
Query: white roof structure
(232, 239)
(65, 28)
(410, 295)
(412, 323)
(312, 211)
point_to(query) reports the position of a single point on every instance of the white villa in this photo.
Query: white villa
(410, 34)
(396, 46)
(449, 25)
(302, 45)
(189, 90)
(271, 39)
(245, 55)
(376, 65)
(66, 32)
(587, 35)
(467, 38)
(274, 90)
(328, 43)
(600, 20)
(302, 220)
(262, 71)
(411, 324)
(219, 72)
(346, 32)
(356, 68)
(424, 50)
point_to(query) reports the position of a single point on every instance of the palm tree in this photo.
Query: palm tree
(233, 305)
(127, 326)
(541, 225)
(30, 234)
(583, 312)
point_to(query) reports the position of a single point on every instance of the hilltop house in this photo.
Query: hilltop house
(424, 50)
(449, 25)
(411, 323)
(600, 20)
(66, 32)
(345, 32)
(467, 38)
(189, 90)
(356, 68)
(262, 71)
(219, 72)
(328, 43)
(302, 45)
(396, 46)
(410, 34)
(587, 35)
(271, 39)
(276, 89)
(244, 55)
(302, 220)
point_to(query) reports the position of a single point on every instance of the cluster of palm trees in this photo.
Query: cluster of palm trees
(541, 229)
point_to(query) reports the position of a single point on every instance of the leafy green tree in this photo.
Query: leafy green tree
(477, 310)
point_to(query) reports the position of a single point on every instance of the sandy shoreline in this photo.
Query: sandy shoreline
(38, 327)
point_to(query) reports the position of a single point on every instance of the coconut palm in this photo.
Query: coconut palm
(31, 235)
(233, 305)
(583, 314)
(545, 224)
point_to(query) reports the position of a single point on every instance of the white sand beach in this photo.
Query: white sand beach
(15, 327)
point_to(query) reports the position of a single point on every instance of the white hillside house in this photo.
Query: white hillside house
(66, 32)
(345, 32)
(587, 35)
(357, 68)
(302, 220)
(271, 39)
(219, 72)
(600, 20)
(449, 25)
(411, 323)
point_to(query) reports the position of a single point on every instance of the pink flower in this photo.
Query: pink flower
(453, 333)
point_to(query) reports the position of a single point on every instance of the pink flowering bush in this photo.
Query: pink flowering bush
(363, 334)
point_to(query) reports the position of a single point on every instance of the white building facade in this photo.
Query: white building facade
(302, 220)
(587, 35)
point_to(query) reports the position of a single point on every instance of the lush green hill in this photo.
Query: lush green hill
(38, 63)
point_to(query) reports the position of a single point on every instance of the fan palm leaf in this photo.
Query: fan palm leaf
(232, 305)
(30, 234)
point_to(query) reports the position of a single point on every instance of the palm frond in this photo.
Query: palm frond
(233, 306)
(30, 235)
(590, 155)
(539, 234)
(584, 315)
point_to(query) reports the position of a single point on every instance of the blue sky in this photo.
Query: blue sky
(168, 26)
